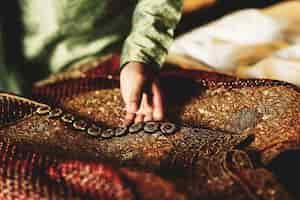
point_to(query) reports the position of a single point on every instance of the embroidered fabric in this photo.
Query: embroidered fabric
(215, 145)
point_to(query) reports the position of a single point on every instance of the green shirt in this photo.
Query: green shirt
(58, 33)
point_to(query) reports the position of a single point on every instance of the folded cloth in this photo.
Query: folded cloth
(250, 43)
(217, 44)
(282, 65)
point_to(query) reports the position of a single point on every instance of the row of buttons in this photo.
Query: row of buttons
(165, 128)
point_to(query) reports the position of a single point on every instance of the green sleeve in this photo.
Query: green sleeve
(153, 25)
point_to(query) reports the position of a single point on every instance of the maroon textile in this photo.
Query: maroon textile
(214, 172)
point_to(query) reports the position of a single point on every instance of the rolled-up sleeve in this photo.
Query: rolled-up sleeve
(153, 25)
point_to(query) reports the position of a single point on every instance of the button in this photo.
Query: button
(168, 128)
(134, 128)
(151, 127)
(196, 131)
(121, 131)
(94, 131)
(80, 125)
(108, 133)
(43, 110)
(68, 118)
(57, 112)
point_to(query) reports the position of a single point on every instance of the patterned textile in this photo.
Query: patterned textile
(269, 109)
(29, 175)
(74, 149)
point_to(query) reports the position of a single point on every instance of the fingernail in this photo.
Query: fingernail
(158, 116)
(131, 107)
(126, 122)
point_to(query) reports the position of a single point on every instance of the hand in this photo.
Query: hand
(141, 94)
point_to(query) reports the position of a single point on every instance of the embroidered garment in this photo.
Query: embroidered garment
(54, 152)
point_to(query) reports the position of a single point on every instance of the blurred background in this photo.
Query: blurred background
(199, 12)
(222, 52)
(246, 39)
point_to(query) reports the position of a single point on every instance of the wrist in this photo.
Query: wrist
(141, 68)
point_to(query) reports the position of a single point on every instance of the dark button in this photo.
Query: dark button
(80, 125)
(121, 131)
(43, 110)
(94, 131)
(68, 118)
(134, 128)
(151, 127)
(108, 133)
(57, 112)
(196, 130)
(204, 133)
(168, 128)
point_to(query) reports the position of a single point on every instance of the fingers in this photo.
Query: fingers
(146, 107)
(158, 107)
(132, 93)
(129, 118)
(131, 90)
(150, 107)
(141, 94)
(139, 118)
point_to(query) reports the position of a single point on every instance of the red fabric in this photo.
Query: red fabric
(30, 175)
(33, 176)
(93, 180)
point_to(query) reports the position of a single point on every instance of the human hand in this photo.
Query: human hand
(141, 93)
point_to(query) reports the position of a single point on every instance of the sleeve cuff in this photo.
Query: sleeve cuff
(141, 59)
(144, 52)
